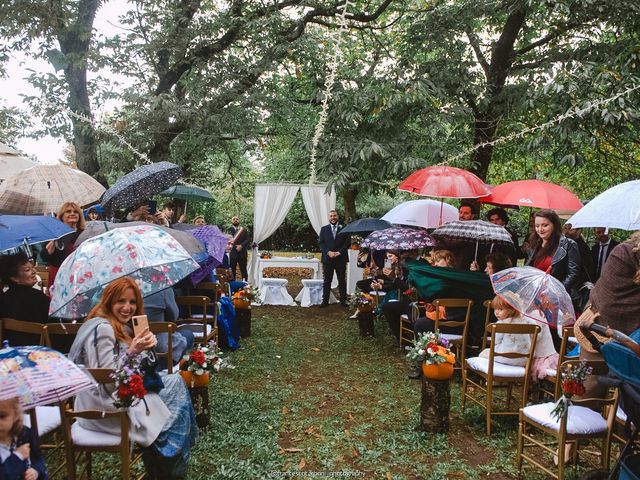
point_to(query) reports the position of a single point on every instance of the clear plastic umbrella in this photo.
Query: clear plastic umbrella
(535, 294)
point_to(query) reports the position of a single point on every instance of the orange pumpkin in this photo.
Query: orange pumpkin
(440, 371)
(194, 381)
(240, 301)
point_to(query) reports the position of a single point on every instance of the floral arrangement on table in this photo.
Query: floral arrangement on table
(572, 384)
(356, 240)
(433, 351)
(129, 381)
(266, 254)
(244, 297)
(364, 302)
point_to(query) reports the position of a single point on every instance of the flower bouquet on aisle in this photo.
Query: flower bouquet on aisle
(265, 254)
(572, 384)
(433, 351)
(244, 297)
(129, 381)
(363, 302)
(198, 363)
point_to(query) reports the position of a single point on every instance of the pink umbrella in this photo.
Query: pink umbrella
(445, 182)
(534, 193)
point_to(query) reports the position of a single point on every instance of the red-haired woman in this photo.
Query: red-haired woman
(169, 429)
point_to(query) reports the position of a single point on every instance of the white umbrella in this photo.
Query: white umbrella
(423, 213)
(618, 207)
(11, 162)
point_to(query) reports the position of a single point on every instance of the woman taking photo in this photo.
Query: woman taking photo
(165, 422)
(554, 253)
(55, 252)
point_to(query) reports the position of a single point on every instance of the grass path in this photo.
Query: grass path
(309, 397)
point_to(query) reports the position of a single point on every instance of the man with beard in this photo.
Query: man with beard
(239, 245)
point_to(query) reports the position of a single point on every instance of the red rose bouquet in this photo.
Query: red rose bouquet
(129, 382)
(572, 384)
(201, 359)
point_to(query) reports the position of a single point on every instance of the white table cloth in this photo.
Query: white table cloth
(273, 291)
(311, 293)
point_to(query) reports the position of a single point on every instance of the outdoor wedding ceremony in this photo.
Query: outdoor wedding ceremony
(377, 240)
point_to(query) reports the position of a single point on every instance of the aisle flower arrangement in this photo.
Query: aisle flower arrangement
(431, 349)
(572, 384)
(265, 254)
(244, 297)
(364, 302)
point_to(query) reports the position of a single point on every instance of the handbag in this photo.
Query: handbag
(149, 367)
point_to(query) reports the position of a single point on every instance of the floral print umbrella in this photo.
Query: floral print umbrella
(535, 294)
(39, 376)
(398, 238)
(152, 257)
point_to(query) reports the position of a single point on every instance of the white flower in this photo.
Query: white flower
(421, 352)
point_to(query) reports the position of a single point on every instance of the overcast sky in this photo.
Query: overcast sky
(49, 149)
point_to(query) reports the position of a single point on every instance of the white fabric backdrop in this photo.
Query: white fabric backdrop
(271, 204)
(318, 204)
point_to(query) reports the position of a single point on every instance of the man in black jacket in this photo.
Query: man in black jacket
(601, 250)
(334, 258)
(240, 243)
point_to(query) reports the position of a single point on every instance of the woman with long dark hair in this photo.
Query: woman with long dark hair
(554, 253)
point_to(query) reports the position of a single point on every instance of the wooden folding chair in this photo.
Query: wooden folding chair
(61, 335)
(551, 384)
(81, 440)
(457, 341)
(203, 325)
(169, 328)
(589, 418)
(406, 325)
(37, 330)
(485, 375)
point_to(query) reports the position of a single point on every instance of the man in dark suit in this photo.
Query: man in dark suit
(334, 258)
(601, 250)
(239, 246)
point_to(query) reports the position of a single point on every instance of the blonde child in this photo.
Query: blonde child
(545, 355)
(20, 455)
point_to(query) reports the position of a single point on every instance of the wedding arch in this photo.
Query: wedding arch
(271, 204)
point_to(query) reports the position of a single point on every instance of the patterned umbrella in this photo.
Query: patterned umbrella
(397, 238)
(152, 257)
(474, 231)
(193, 246)
(141, 184)
(44, 188)
(39, 376)
(535, 294)
(16, 230)
(11, 162)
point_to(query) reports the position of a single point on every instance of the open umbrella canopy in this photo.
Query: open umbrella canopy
(533, 193)
(15, 230)
(11, 162)
(148, 254)
(192, 245)
(474, 231)
(188, 192)
(44, 188)
(398, 238)
(424, 213)
(618, 207)
(365, 226)
(39, 376)
(445, 182)
(535, 294)
(138, 186)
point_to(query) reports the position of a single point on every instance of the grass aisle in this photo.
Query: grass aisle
(308, 394)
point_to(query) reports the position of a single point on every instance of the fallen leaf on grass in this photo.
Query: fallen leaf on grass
(355, 452)
(285, 410)
(315, 349)
(302, 464)
(291, 450)
(347, 433)
(351, 417)
(455, 475)
(388, 475)
(311, 430)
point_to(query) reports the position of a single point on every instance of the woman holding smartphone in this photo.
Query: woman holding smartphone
(168, 431)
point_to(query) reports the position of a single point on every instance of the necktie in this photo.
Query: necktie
(603, 248)
(333, 230)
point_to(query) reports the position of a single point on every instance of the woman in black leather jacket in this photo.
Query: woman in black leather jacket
(554, 253)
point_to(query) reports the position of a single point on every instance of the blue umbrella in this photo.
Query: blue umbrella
(136, 187)
(365, 226)
(16, 230)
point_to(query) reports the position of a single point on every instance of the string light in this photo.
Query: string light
(328, 88)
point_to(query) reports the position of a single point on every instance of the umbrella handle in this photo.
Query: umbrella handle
(475, 259)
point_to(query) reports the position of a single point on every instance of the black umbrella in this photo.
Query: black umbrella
(141, 184)
(365, 226)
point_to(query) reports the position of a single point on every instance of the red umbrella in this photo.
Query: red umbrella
(534, 193)
(445, 182)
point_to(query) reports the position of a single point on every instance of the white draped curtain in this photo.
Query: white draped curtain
(271, 203)
(318, 204)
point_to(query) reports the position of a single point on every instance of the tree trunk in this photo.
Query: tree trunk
(485, 129)
(349, 198)
(435, 405)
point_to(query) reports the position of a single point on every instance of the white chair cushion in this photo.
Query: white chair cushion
(404, 317)
(551, 372)
(48, 419)
(620, 415)
(312, 282)
(581, 420)
(196, 329)
(91, 438)
(199, 316)
(452, 337)
(275, 282)
(378, 293)
(499, 369)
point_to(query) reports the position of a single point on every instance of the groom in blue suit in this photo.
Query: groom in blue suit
(334, 258)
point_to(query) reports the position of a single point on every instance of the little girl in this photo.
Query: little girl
(20, 455)
(544, 354)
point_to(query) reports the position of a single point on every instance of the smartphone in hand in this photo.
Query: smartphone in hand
(140, 324)
(387, 263)
(153, 207)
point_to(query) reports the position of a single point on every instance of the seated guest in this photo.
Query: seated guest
(545, 355)
(21, 301)
(496, 262)
(162, 307)
(199, 220)
(164, 424)
(93, 215)
(385, 271)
